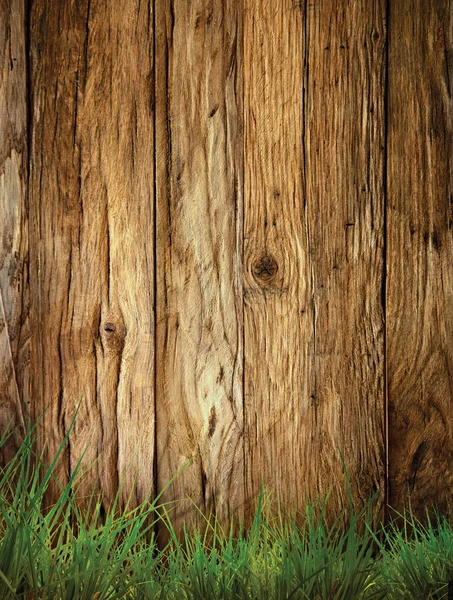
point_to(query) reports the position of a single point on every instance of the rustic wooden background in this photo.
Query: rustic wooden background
(227, 226)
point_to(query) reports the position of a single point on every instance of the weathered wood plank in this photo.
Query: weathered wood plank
(92, 227)
(313, 214)
(278, 308)
(344, 166)
(14, 291)
(420, 254)
(199, 236)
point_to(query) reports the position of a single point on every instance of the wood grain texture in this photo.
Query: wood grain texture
(420, 254)
(217, 234)
(92, 230)
(199, 236)
(278, 308)
(14, 291)
(313, 235)
(344, 168)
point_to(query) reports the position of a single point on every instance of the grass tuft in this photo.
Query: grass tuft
(62, 553)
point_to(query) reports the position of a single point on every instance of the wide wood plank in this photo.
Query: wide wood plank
(14, 290)
(199, 236)
(420, 254)
(92, 228)
(313, 231)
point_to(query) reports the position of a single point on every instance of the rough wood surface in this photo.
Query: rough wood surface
(91, 199)
(344, 168)
(212, 258)
(14, 294)
(199, 236)
(420, 253)
(278, 308)
(313, 234)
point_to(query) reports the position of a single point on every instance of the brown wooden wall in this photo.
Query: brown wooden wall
(226, 225)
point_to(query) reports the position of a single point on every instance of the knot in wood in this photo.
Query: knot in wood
(113, 336)
(265, 268)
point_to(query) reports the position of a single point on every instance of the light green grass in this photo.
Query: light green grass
(62, 554)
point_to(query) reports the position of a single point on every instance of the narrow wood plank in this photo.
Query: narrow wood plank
(345, 147)
(91, 188)
(14, 291)
(278, 308)
(420, 254)
(199, 220)
(313, 214)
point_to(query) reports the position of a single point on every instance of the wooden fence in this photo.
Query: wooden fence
(227, 225)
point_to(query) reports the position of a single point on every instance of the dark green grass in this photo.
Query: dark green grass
(63, 554)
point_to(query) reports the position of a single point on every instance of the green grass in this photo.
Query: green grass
(60, 553)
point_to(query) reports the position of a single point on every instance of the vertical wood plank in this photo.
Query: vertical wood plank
(345, 145)
(420, 254)
(278, 308)
(313, 230)
(199, 219)
(92, 174)
(14, 291)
